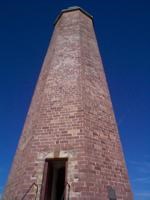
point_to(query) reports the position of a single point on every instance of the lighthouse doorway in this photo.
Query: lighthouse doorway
(53, 186)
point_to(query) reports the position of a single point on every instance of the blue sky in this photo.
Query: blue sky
(123, 33)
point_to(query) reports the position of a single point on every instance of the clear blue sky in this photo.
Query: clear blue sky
(123, 33)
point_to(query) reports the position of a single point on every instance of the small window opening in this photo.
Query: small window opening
(111, 193)
(53, 186)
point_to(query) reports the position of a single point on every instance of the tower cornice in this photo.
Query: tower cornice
(70, 9)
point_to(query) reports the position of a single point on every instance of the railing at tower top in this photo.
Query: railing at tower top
(64, 192)
(27, 192)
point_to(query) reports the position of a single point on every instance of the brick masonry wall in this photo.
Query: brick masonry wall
(71, 116)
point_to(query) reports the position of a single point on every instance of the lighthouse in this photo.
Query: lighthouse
(70, 147)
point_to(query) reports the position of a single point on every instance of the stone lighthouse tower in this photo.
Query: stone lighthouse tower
(70, 147)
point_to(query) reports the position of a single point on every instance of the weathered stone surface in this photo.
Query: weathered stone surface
(71, 116)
